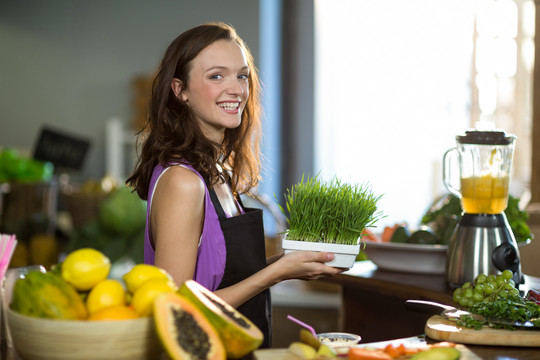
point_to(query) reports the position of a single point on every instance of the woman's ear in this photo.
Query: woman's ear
(177, 88)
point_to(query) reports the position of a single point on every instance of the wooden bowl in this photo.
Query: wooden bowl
(45, 339)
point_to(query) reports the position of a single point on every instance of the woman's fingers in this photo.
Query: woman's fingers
(309, 265)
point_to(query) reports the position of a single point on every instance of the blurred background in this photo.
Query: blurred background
(369, 92)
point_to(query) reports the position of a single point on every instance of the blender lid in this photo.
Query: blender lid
(485, 138)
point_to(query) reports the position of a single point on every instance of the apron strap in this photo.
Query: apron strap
(215, 200)
(217, 205)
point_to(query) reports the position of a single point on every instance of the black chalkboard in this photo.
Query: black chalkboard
(63, 150)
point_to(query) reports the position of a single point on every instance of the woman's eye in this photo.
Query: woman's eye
(216, 77)
(243, 77)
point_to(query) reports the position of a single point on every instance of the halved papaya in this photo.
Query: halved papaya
(239, 335)
(184, 331)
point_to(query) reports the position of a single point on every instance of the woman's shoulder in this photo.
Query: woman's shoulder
(183, 179)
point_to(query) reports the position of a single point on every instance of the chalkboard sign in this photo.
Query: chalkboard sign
(61, 149)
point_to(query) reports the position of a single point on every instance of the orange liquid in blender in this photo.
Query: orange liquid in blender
(484, 194)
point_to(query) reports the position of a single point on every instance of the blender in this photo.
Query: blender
(482, 242)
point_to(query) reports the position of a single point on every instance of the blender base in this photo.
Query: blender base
(482, 244)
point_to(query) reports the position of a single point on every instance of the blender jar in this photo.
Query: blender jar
(484, 161)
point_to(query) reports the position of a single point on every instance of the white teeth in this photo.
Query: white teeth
(229, 106)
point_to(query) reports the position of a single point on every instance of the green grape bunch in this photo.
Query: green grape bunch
(494, 296)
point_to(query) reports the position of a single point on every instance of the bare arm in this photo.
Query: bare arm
(307, 265)
(176, 220)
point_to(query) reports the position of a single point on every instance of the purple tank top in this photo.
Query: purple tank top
(211, 254)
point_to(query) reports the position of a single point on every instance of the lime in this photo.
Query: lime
(84, 268)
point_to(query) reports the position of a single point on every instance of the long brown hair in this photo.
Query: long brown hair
(173, 135)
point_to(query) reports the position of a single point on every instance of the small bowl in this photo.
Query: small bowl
(340, 342)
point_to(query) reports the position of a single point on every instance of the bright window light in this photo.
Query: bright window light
(396, 81)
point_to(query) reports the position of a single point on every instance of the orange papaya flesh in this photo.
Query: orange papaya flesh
(46, 295)
(184, 331)
(239, 335)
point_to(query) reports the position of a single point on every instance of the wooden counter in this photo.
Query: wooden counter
(373, 300)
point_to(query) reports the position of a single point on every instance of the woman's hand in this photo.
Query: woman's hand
(305, 265)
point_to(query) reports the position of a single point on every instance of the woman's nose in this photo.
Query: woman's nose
(235, 87)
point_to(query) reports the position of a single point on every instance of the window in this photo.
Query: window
(397, 81)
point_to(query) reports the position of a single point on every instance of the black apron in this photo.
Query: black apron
(246, 255)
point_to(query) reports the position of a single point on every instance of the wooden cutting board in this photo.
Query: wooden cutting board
(441, 329)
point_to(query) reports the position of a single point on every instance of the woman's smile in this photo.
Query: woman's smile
(230, 107)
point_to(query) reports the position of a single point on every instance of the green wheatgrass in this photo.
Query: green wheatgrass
(329, 212)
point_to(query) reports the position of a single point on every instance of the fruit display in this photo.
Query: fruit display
(190, 322)
(239, 335)
(495, 296)
(79, 289)
(309, 347)
(184, 331)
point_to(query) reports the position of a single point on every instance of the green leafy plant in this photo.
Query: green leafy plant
(329, 212)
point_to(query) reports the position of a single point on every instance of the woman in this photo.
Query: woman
(200, 152)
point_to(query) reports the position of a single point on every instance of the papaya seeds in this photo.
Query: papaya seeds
(238, 334)
(184, 331)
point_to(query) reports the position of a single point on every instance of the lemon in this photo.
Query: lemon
(106, 293)
(143, 298)
(84, 268)
(142, 272)
(118, 312)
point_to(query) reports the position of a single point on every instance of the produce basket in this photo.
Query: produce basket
(29, 210)
(83, 207)
(28, 206)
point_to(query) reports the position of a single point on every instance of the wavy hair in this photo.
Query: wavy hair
(172, 134)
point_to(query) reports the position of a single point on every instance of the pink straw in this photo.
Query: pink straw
(7, 247)
(303, 324)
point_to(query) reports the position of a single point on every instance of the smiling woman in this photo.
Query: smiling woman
(200, 151)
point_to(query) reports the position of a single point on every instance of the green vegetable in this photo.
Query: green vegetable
(443, 216)
(401, 235)
(494, 296)
(118, 230)
(19, 169)
(331, 212)
(123, 211)
(423, 236)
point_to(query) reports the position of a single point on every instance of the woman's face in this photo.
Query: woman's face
(217, 88)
